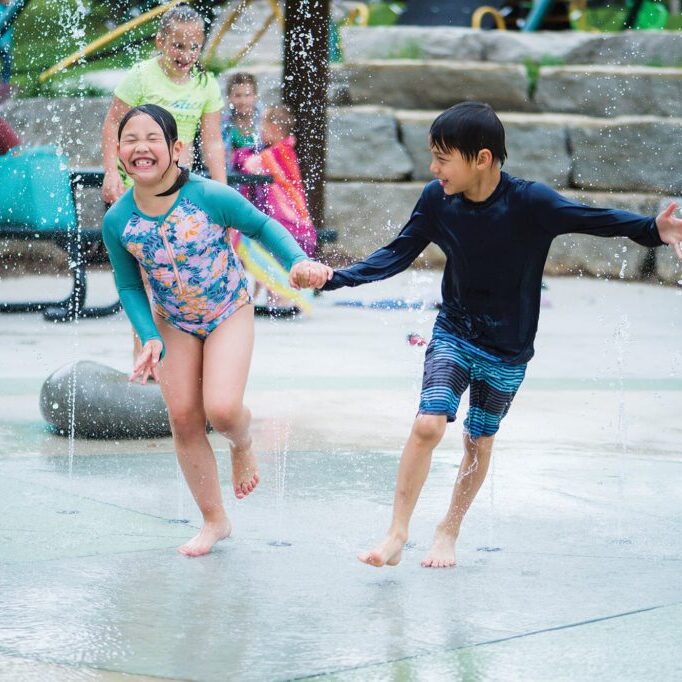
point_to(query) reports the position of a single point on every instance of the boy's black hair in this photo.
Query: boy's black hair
(169, 128)
(467, 128)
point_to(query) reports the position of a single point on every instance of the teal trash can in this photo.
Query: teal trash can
(36, 190)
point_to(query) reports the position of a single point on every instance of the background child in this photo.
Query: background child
(175, 81)
(241, 118)
(173, 224)
(284, 199)
(495, 231)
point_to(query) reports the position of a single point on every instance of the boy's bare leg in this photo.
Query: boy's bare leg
(415, 462)
(180, 380)
(227, 359)
(472, 472)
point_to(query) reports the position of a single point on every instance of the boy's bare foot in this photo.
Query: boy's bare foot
(244, 471)
(442, 552)
(388, 553)
(203, 542)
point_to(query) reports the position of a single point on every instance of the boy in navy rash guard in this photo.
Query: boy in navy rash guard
(495, 231)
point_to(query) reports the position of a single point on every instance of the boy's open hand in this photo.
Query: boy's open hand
(670, 228)
(147, 362)
(308, 273)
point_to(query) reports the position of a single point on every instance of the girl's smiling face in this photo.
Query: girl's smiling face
(180, 47)
(144, 151)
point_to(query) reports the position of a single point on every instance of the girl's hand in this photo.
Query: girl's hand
(308, 273)
(112, 187)
(147, 362)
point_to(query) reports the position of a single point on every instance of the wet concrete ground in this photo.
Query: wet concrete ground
(569, 560)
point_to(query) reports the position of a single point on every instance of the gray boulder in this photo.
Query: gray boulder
(103, 404)
(648, 48)
(628, 153)
(411, 42)
(411, 84)
(363, 144)
(610, 90)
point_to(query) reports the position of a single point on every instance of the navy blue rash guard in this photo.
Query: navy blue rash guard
(496, 251)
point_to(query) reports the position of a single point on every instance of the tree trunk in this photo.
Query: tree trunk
(306, 78)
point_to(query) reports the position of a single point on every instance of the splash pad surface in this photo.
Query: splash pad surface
(569, 560)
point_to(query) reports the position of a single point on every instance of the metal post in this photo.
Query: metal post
(306, 78)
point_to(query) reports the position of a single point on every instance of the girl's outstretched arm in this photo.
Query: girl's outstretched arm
(231, 209)
(129, 283)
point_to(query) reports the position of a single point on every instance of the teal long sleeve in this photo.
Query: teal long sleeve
(129, 285)
(228, 207)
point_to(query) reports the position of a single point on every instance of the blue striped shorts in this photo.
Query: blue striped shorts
(452, 365)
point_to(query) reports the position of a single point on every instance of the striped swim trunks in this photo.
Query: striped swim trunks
(452, 365)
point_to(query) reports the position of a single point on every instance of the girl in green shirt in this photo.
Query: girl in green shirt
(175, 81)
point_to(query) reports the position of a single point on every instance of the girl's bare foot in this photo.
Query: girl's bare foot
(442, 552)
(202, 543)
(388, 553)
(244, 471)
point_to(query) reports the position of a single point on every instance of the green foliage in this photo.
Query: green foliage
(533, 69)
(410, 49)
(49, 30)
(384, 13)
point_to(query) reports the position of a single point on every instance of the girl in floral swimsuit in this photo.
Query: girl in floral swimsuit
(174, 225)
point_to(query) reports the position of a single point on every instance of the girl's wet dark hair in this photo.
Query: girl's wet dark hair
(467, 128)
(169, 128)
(184, 14)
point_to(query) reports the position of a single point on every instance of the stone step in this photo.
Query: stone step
(591, 90)
(646, 48)
(367, 215)
(630, 154)
(653, 48)
(607, 91)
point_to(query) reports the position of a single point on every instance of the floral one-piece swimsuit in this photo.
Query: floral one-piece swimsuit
(196, 279)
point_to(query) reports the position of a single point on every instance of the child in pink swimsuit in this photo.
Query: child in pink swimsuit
(283, 199)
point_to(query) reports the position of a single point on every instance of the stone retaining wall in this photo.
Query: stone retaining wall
(647, 48)
(383, 145)
(629, 154)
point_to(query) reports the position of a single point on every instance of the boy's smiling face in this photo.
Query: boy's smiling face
(455, 173)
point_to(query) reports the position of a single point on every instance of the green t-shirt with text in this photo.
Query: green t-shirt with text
(147, 83)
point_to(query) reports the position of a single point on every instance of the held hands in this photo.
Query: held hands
(147, 362)
(670, 228)
(308, 273)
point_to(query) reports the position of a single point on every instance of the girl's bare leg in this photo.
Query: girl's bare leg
(415, 462)
(472, 473)
(180, 380)
(227, 359)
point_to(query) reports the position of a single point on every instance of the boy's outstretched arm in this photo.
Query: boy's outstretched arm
(382, 264)
(390, 259)
(670, 228)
